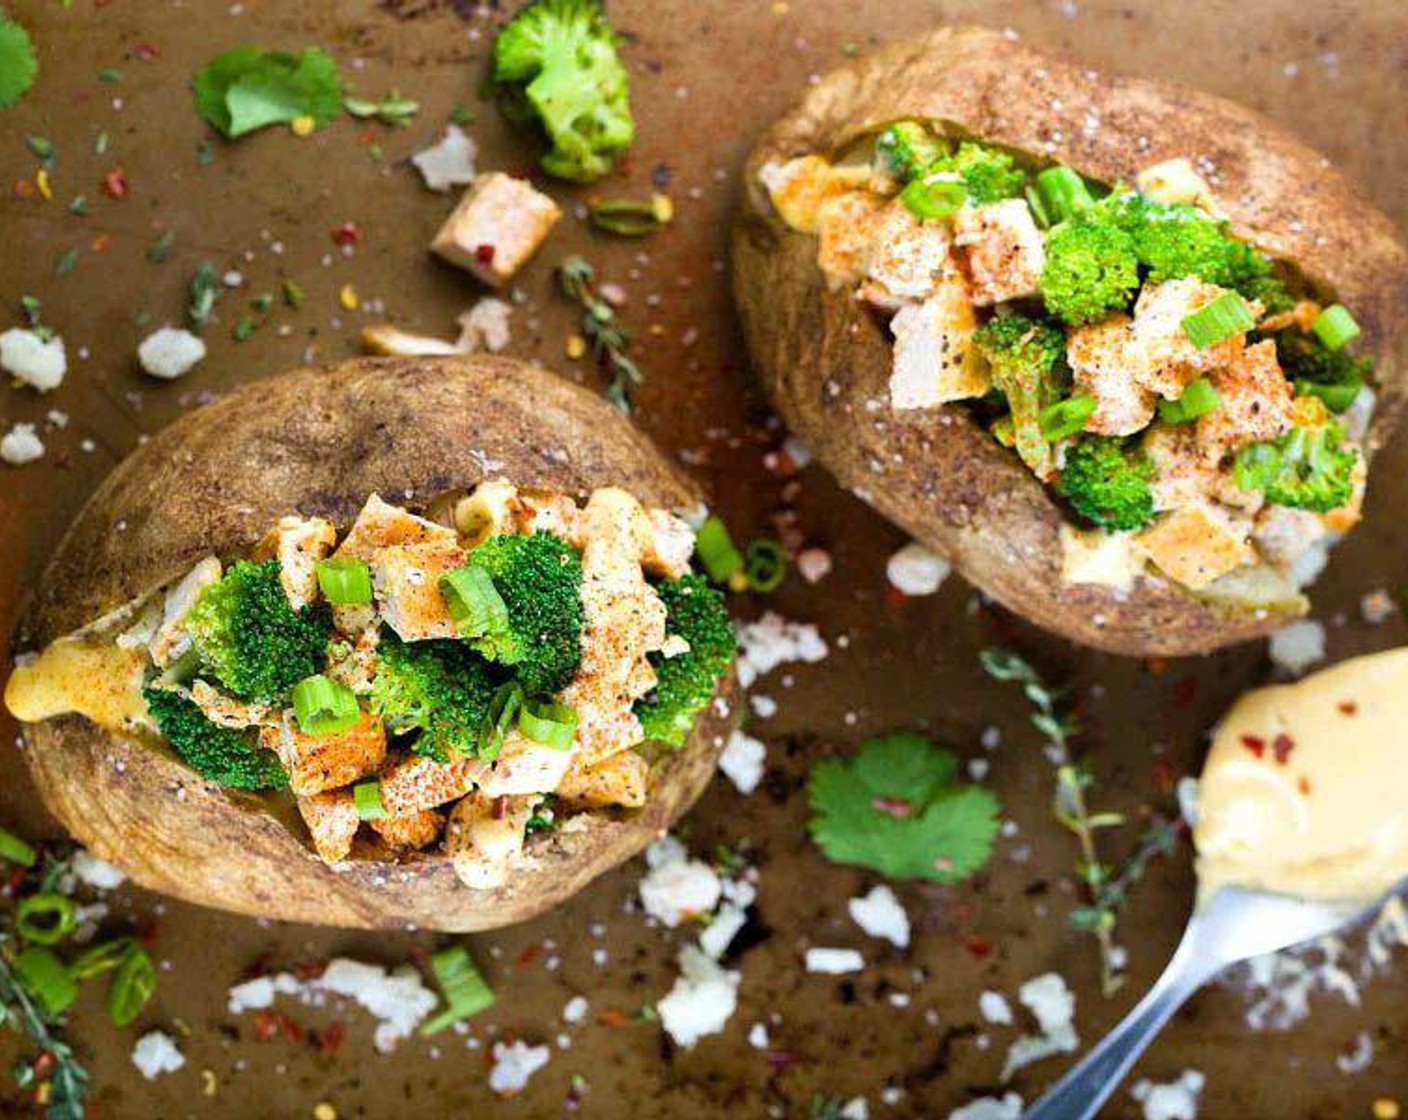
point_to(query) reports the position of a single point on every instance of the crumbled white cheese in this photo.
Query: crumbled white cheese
(1054, 1005)
(1295, 648)
(915, 571)
(880, 914)
(514, 1064)
(1377, 607)
(485, 326)
(156, 1053)
(702, 1001)
(1178, 1100)
(450, 163)
(576, 1010)
(772, 641)
(857, 1108)
(834, 962)
(814, 564)
(1360, 1058)
(35, 360)
(679, 890)
(170, 353)
(720, 932)
(21, 445)
(758, 1037)
(743, 761)
(994, 1007)
(96, 873)
(990, 1108)
(668, 849)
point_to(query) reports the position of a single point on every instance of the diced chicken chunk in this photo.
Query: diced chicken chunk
(497, 226)
(406, 579)
(525, 767)
(846, 237)
(1175, 181)
(332, 821)
(558, 514)
(1097, 557)
(1006, 251)
(1283, 535)
(298, 543)
(671, 545)
(381, 525)
(907, 259)
(171, 640)
(1196, 545)
(621, 779)
(492, 509)
(1256, 400)
(225, 709)
(413, 783)
(935, 360)
(1166, 361)
(798, 187)
(415, 831)
(321, 762)
(1102, 357)
(484, 837)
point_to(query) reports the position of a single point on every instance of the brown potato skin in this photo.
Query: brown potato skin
(318, 442)
(826, 361)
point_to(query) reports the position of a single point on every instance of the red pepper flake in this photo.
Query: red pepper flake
(101, 242)
(266, 1025)
(1282, 748)
(895, 807)
(1158, 666)
(311, 970)
(368, 136)
(145, 929)
(780, 1061)
(1348, 708)
(1184, 691)
(24, 189)
(529, 955)
(614, 1018)
(144, 52)
(979, 947)
(484, 254)
(1165, 776)
(1304, 786)
(894, 596)
(44, 1065)
(1255, 744)
(330, 1045)
(115, 184)
(348, 233)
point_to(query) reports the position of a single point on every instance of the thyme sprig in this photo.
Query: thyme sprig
(609, 343)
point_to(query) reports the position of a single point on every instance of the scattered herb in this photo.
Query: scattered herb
(462, 114)
(205, 153)
(294, 294)
(392, 109)
(42, 147)
(205, 290)
(627, 218)
(100, 143)
(79, 205)
(110, 74)
(32, 310)
(243, 329)
(609, 343)
(897, 807)
(65, 261)
(263, 301)
(18, 62)
(160, 249)
(249, 88)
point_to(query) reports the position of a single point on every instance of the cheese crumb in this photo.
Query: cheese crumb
(678, 889)
(96, 873)
(743, 761)
(772, 641)
(170, 353)
(1295, 648)
(834, 962)
(1054, 1005)
(702, 1001)
(995, 1009)
(37, 361)
(880, 914)
(514, 1064)
(450, 163)
(990, 1108)
(916, 571)
(21, 445)
(156, 1053)
(1178, 1100)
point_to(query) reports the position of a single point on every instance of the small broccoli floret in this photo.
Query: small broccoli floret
(990, 174)
(539, 579)
(1027, 360)
(556, 60)
(1091, 268)
(1310, 467)
(1108, 484)
(685, 683)
(440, 687)
(1305, 358)
(218, 754)
(246, 633)
(907, 148)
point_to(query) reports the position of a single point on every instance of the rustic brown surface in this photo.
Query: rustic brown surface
(708, 78)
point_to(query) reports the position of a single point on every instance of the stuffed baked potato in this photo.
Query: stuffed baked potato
(392, 643)
(1119, 350)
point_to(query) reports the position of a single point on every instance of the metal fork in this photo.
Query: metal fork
(1235, 925)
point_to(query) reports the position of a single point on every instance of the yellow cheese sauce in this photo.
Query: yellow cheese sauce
(1305, 791)
(98, 680)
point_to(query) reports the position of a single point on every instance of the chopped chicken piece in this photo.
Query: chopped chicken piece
(492, 509)
(171, 640)
(846, 237)
(625, 621)
(224, 709)
(298, 543)
(1196, 545)
(1283, 535)
(1302, 316)
(1102, 358)
(907, 259)
(671, 545)
(618, 780)
(524, 766)
(381, 525)
(1256, 400)
(799, 187)
(332, 820)
(321, 762)
(558, 514)
(1167, 361)
(935, 361)
(407, 583)
(497, 226)
(1345, 518)
(1097, 557)
(1006, 251)
(414, 831)
(353, 661)
(1175, 181)
(484, 837)
(414, 783)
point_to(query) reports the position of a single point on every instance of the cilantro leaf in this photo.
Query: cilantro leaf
(897, 808)
(18, 62)
(248, 88)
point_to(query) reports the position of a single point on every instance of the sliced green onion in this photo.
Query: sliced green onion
(367, 796)
(1037, 205)
(1067, 418)
(45, 919)
(101, 958)
(1224, 317)
(503, 710)
(1337, 398)
(46, 980)
(766, 565)
(463, 988)
(346, 581)
(1335, 327)
(930, 196)
(16, 850)
(1200, 398)
(325, 707)
(549, 725)
(721, 559)
(475, 603)
(1063, 194)
(132, 987)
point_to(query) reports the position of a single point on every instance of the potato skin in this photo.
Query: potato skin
(826, 362)
(318, 442)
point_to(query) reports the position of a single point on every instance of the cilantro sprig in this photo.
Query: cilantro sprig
(18, 63)
(249, 88)
(897, 807)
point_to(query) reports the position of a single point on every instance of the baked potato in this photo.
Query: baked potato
(1119, 350)
(343, 635)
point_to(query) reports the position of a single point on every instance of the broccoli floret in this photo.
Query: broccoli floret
(1027, 360)
(1250, 272)
(1305, 358)
(989, 173)
(907, 148)
(249, 636)
(441, 688)
(539, 579)
(556, 60)
(1091, 268)
(218, 754)
(1310, 467)
(685, 683)
(1108, 484)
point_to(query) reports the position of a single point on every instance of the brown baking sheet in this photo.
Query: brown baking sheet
(707, 75)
